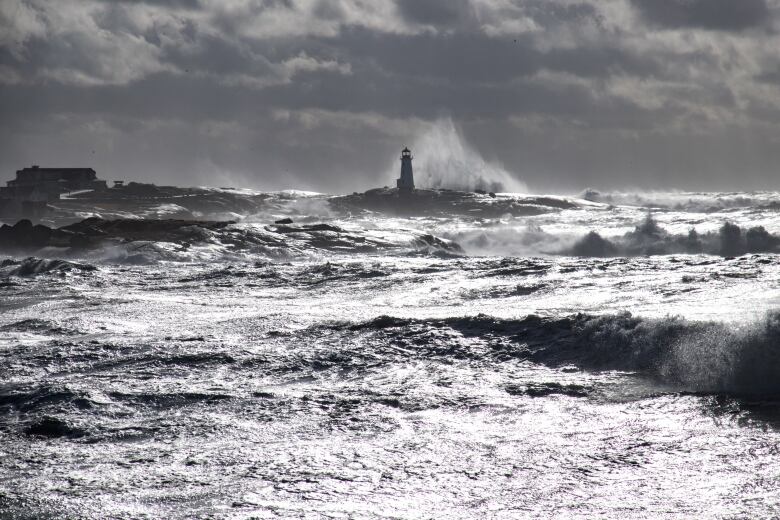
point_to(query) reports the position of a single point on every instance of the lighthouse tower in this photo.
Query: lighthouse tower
(406, 182)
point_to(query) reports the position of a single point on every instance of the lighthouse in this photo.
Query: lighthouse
(406, 182)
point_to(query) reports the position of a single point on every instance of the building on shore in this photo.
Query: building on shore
(33, 188)
(406, 181)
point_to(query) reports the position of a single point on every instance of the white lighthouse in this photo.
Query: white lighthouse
(406, 182)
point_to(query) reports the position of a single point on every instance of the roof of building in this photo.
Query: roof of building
(39, 169)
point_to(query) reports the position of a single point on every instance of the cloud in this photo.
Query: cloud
(437, 13)
(77, 45)
(720, 15)
(174, 4)
(318, 93)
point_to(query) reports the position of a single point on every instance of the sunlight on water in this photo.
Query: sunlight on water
(352, 363)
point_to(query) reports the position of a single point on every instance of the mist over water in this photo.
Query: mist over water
(444, 159)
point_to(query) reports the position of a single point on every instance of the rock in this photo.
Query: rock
(24, 237)
(147, 199)
(6, 234)
(23, 226)
(308, 228)
(169, 230)
(284, 221)
(40, 236)
(79, 241)
(443, 202)
(20, 235)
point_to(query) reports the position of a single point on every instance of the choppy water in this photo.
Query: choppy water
(401, 381)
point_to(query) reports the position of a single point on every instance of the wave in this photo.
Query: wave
(36, 266)
(47, 398)
(706, 357)
(137, 242)
(53, 427)
(648, 238)
(694, 202)
(57, 411)
(168, 400)
(494, 239)
(447, 161)
(38, 326)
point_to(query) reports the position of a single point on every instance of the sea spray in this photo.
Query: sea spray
(443, 159)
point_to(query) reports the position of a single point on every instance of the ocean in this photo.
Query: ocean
(601, 356)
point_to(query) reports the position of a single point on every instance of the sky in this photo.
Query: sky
(543, 95)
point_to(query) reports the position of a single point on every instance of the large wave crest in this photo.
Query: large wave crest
(682, 355)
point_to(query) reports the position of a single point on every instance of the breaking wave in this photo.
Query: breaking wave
(139, 242)
(706, 357)
(696, 202)
(449, 162)
(649, 238)
(36, 266)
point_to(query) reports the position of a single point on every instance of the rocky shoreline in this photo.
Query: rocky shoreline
(24, 237)
(447, 203)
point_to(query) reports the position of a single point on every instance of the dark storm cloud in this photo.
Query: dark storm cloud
(724, 15)
(548, 13)
(769, 76)
(185, 4)
(472, 58)
(441, 13)
(293, 93)
(215, 55)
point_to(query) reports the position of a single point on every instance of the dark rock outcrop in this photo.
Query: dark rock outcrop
(147, 199)
(23, 237)
(142, 229)
(423, 202)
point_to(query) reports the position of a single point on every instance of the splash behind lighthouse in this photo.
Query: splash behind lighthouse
(406, 181)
